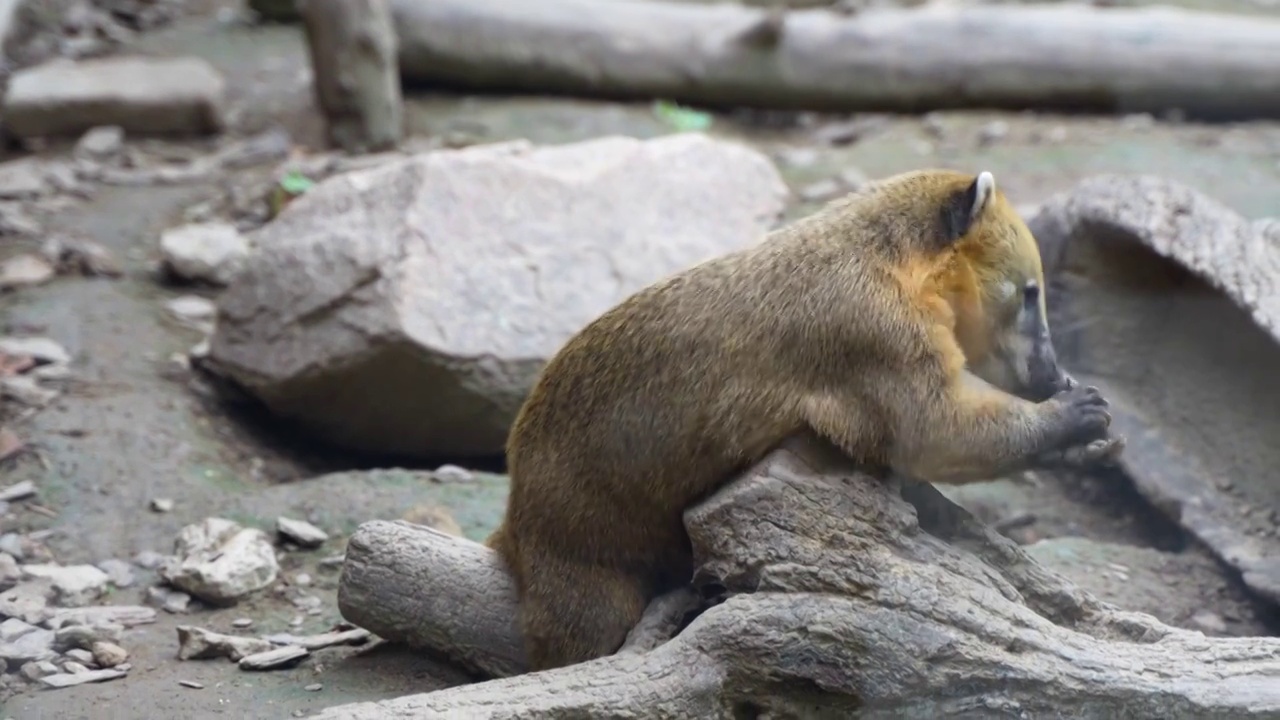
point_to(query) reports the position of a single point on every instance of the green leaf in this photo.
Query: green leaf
(295, 183)
(682, 118)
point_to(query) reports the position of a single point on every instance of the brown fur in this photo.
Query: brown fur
(853, 322)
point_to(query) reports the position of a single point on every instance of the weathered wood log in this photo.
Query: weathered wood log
(356, 77)
(1047, 56)
(845, 594)
(1169, 302)
(428, 589)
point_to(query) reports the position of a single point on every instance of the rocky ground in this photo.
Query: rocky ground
(114, 453)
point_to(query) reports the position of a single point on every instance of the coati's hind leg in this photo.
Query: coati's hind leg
(571, 612)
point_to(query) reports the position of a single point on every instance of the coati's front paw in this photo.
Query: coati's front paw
(1098, 452)
(1082, 416)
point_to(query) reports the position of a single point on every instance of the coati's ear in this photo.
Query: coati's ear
(962, 209)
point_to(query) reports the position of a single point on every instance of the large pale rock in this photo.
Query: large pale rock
(408, 308)
(141, 95)
(220, 562)
(1169, 302)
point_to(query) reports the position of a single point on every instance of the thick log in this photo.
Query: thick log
(1060, 56)
(848, 595)
(352, 44)
(428, 589)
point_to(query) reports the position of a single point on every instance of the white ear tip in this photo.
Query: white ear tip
(986, 183)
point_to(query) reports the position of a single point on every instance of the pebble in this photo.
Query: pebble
(169, 600)
(301, 532)
(161, 505)
(18, 491)
(149, 559)
(191, 684)
(10, 574)
(108, 654)
(35, 670)
(40, 349)
(282, 657)
(452, 474)
(100, 143)
(80, 655)
(26, 270)
(355, 636)
(242, 623)
(72, 666)
(313, 687)
(191, 307)
(211, 252)
(1209, 621)
(302, 579)
(119, 572)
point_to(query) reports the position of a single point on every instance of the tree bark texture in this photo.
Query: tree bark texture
(1060, 56)
(845, 594)
(353, 48)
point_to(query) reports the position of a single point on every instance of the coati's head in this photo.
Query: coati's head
(995, 284)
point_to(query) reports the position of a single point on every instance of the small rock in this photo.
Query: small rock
(23, 179)
(242, 623)
(820, 191)
(73, 585)
(452, 474)
(34, 646)
(301, 532)
(211, 252)
(333, 562)
(313, 687)
(35, 670)
(171, 601)
(26, 390)
(84, 636)
(149, 559)
(13, 628)
(74, 667)
(219, 561)
(101, 143)
(142, 95)
(18, 491)
(196, 643)
(81, 255)
(278, 658)
(161, 505)
(302, 580)
(933, 125)
(63, 680)
(42, 350)
(25, 270)
(191, 307)
(108, 654)
(11, 544)
(28, 601)
(191, 684)
(80, 655)
(119, 572)
(16, 219)
(993, 132)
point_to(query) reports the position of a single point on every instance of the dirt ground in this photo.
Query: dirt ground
(136, 426)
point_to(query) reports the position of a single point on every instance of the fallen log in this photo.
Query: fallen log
(355, 76)
(1060, 56)
(1169, 302)
(845, 595)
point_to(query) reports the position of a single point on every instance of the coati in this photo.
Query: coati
(904, 323)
